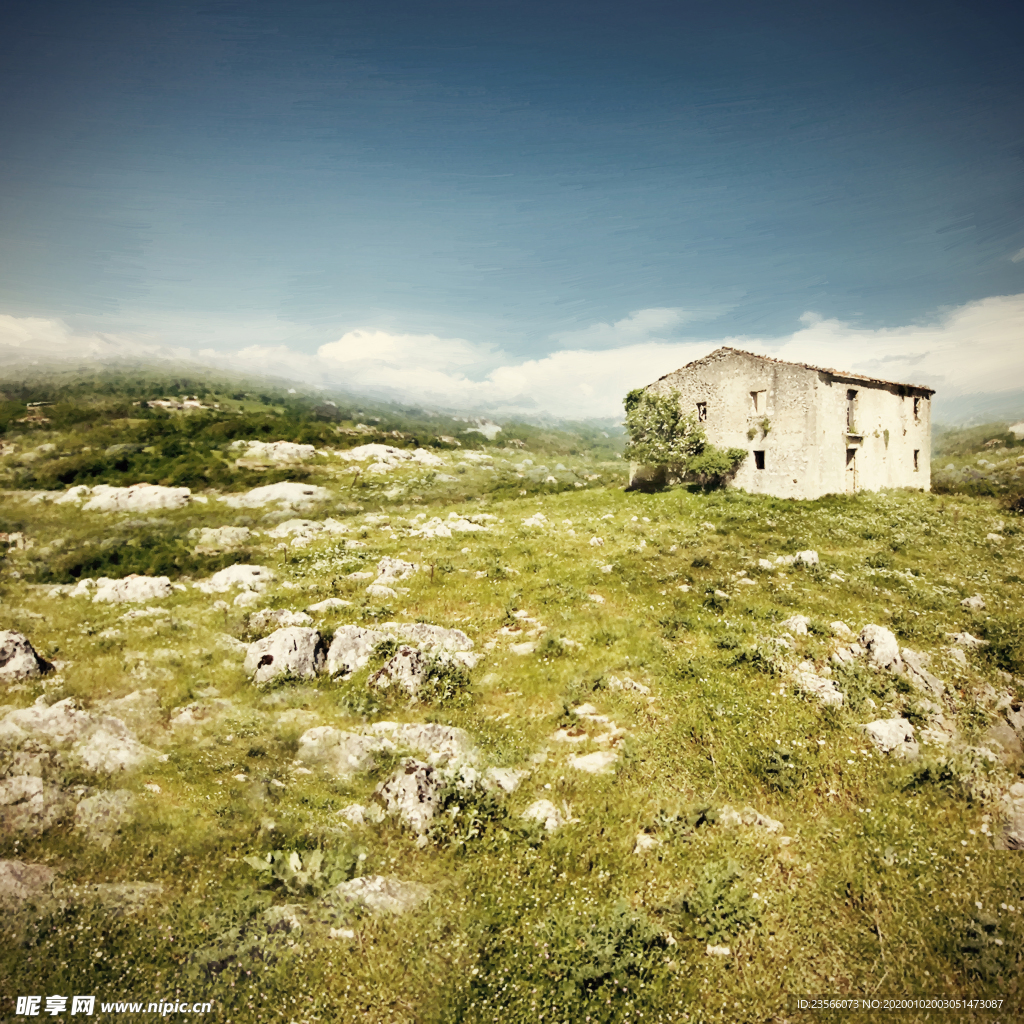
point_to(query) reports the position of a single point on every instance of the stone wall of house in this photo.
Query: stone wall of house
(793, 422)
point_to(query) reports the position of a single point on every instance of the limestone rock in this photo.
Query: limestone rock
(137, 709)
(818, 686)
(18, 658)
(645, 843)
(381, 592)
(507, 780)
(883, 648)
(137, 498)
(339, 752)
(274, 451)
(966, 640)
(329, 604)
(796, 624)
(22, 880)
(222, 538)
(381, 895)
(1005, 741)
(893, 736)
(407, 670)
(431, 637)
(841, 630)
(131, 588)
(351, 648)
(975, 603)
(288, 493)
(277, 617)
(730, 817)
(391, 570)
(29, 805)
(297, 650)
(439, 743)
(601, 762)
(915, 664)
(103, 815)
(411, 793)
(546, 813)
(251, 577)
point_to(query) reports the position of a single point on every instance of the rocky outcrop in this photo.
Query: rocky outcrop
(137, 498)
(380, 895)
(411, 794)
(292, 494)
(296, 650)
(18, 658)
(131, 588)
(545, 813)
(339, 752)
(21, 881)
(406, 670)
(249, 577)
(104, 814)
(351, 648)
(279, 618)
(882, 647)
(893, 736)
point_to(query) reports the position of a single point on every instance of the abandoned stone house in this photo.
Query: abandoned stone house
(808, 431)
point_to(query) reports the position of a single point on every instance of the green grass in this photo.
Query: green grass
(874, 891)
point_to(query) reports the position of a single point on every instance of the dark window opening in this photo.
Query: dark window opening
(758, 460)
(851, 454)
(851, 411)
(917, 408)
(917, 452)
(758, 401)
(702, 412)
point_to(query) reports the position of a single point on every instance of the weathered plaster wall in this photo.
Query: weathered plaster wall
(800, 424)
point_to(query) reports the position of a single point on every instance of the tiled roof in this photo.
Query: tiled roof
(807, 366)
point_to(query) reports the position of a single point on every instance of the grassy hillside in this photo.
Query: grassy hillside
(658, 898)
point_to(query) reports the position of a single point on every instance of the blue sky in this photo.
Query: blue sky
(503, 182)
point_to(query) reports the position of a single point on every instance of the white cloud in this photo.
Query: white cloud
(1017, 256)
(642, 325)
(971, 349)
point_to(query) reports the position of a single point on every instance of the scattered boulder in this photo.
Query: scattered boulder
(841, 630)
(645, 843)
(975, 603)
(391, 570)
(277, 617)
(507, 780)
(818, 686)
(29, 805)
(18, 658)
(915, 665)
(882, 647)
(601, 762)
(250, 577)
(1012, 801)
(893, 736)
(430, 637)
(274, 451)
(440, 743)
(966, 640)
(796, 624)
(22, 880)
(547, 814)
(381, 592)
(296, 650)
(351, 648)
(102, 743)
(800, 558)
(411, 793)
(137, 498)
(625, 683)
(1005, 741)
(222, 538)
(380, 895)
(131, 588)
(329, 604)
(340, 753)
(103, 815)
(730, 817)
(407, 670)
(287, 493)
